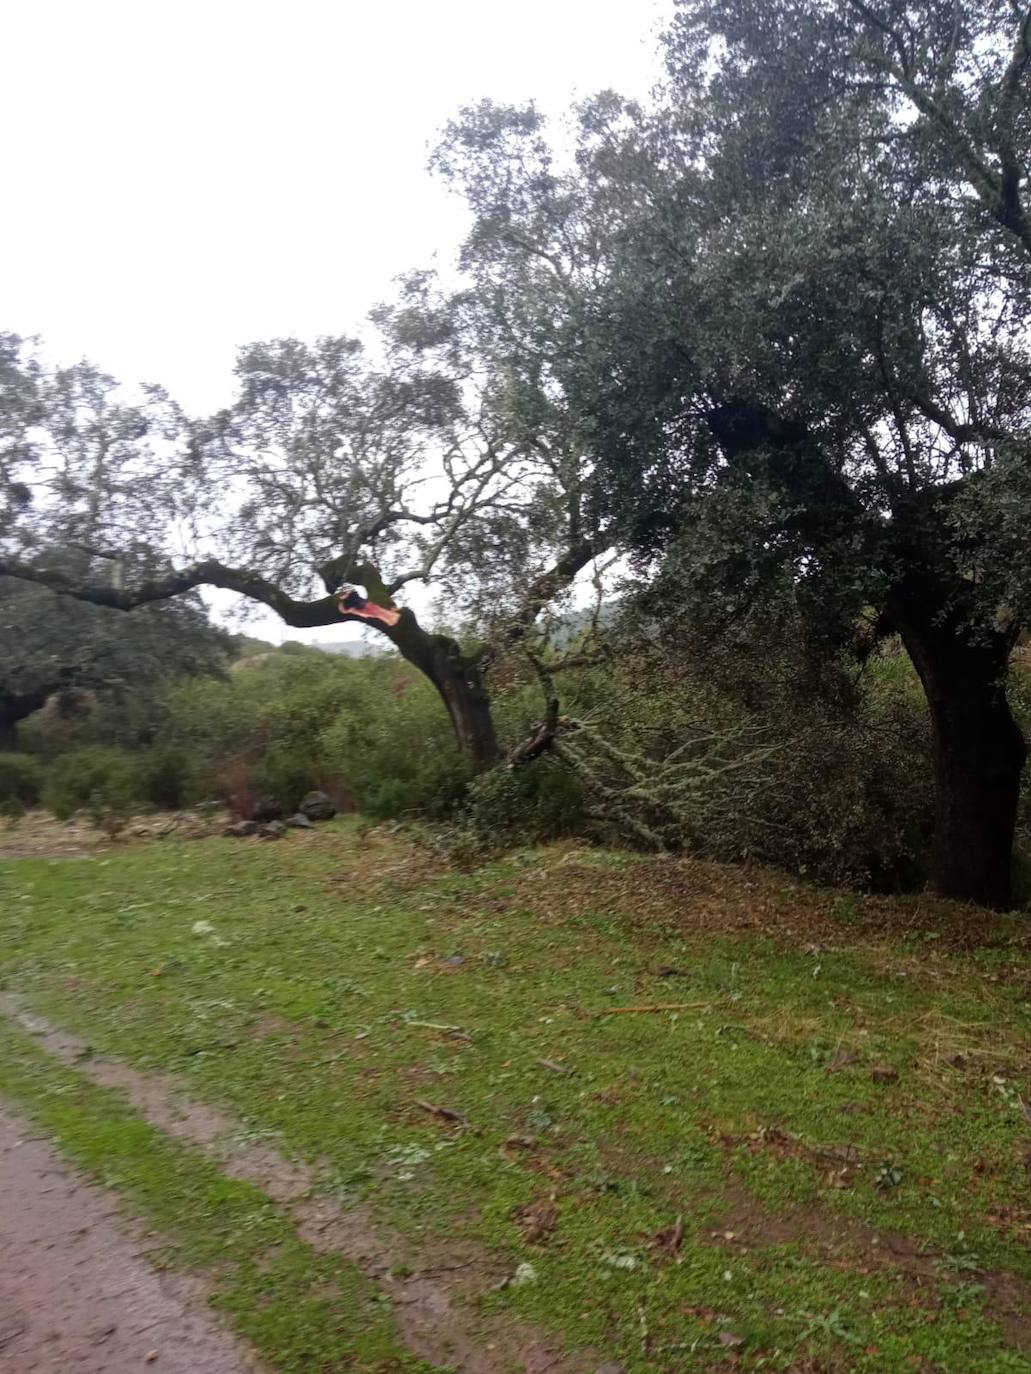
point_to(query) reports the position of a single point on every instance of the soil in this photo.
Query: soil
(76, 1290)
(430, 1294)
(39, 835)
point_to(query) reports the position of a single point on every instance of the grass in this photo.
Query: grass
(723, 1186)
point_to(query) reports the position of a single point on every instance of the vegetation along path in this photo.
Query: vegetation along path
(356, 1110)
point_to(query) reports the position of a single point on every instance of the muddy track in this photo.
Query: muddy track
(430, 1297)
(76, 1290)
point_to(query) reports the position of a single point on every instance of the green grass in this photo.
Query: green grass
(308, 1001)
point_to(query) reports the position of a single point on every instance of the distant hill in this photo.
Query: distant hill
(352, 648)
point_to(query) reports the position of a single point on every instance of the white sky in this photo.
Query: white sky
(181, 178)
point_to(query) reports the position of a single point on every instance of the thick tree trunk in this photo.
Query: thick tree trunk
(459, 681)
(979, 751)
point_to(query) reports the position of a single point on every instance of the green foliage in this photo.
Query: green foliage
(370, 731)
(21, 781)
(167, 777)
(540, 801)
(104, 782)
(52, 644)
(395, 746)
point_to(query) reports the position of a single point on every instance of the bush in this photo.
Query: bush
(540, 801)
(285, 775)
(394, 748)
(107, 783)
(21, 781)
(371, 733)
(167, 778)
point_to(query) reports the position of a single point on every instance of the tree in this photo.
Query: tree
(331, 467)
(53, 646)
(798, 339)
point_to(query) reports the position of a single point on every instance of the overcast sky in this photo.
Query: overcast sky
(183, 177)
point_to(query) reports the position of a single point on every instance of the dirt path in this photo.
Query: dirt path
(430, 1294)
(76, 1290)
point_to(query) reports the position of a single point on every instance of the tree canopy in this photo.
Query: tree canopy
(765, 332)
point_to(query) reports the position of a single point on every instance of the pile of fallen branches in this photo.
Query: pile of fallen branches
(666, 801)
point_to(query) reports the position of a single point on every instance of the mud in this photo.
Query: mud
(431, 1296)
(76, 1290)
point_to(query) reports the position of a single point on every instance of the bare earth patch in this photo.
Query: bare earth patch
(76, 1290)
(39, 835)
(428, 1295)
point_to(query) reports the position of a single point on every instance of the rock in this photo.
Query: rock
(299, 821)
(612, 1367)
(884, 1073)
(729, 1339)
(237, 829)
(317, 807)
(266, 809)
(272, 830)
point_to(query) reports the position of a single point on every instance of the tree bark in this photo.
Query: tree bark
(979, 748)
(459, 681)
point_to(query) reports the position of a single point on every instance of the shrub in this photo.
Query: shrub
(285, 774)
(167, 778)
(21, 781)
(105, 782)
(540, 801)
(394, 748)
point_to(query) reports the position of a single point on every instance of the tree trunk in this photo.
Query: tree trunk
(459, 681)
(979, 750)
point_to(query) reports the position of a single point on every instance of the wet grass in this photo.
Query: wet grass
(723, 1185)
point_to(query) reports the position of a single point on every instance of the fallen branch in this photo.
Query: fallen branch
(456, 1031)
(443, 1113)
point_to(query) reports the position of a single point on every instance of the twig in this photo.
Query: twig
(444, 1113)
(643, 1320)
(655, 1006)
(555, 1068)
(437, 1026)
